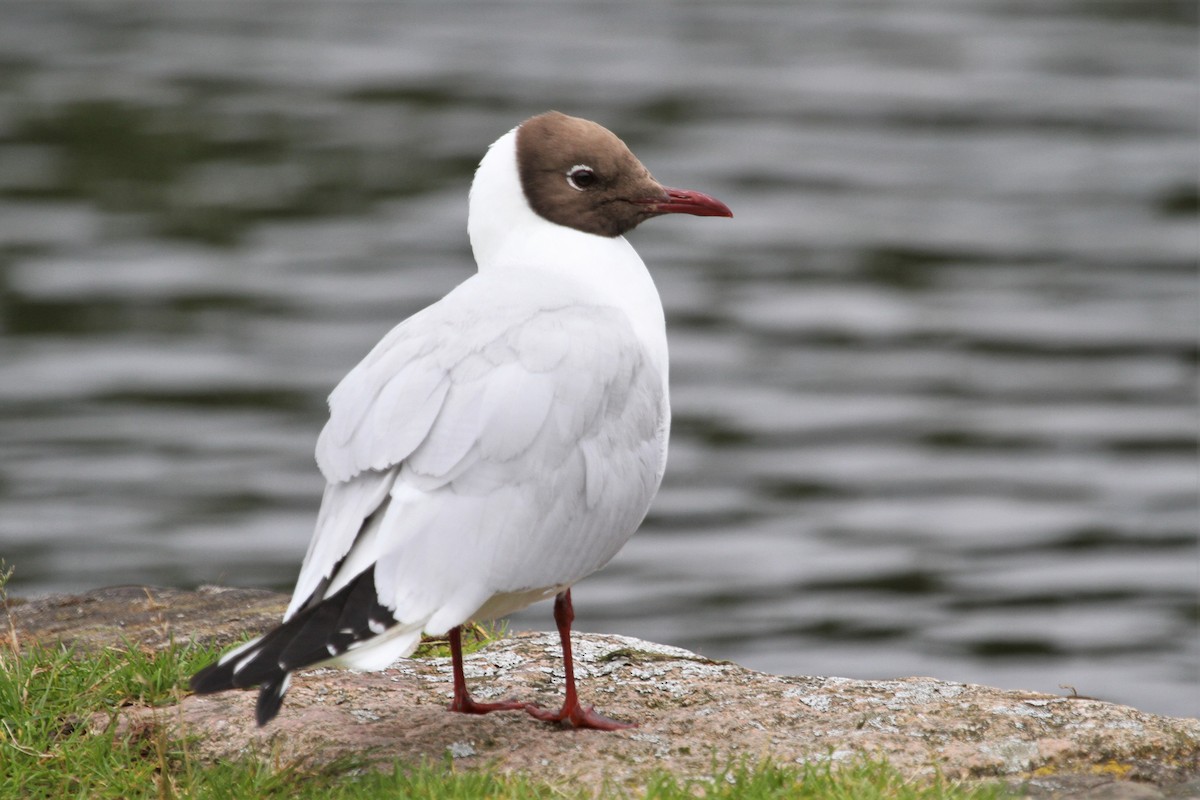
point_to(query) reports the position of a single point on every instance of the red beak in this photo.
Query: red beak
(686, 201)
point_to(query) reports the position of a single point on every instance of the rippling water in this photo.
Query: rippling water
(934, 387)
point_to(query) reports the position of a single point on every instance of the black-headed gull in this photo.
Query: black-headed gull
(502, 443)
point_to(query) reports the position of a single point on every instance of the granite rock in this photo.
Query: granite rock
(690, 709)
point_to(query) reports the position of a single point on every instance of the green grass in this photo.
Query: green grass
(59, 738)
(475, 637)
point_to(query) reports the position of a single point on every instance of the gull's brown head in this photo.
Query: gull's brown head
(579, 174)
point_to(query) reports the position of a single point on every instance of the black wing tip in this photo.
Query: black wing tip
(212, 679)
(331, 627)
(320, 631)
(218, 677)
(270, 700)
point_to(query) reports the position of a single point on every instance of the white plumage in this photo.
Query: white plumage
(492, 449)
(523, 413)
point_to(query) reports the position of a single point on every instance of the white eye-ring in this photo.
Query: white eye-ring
(581, 176)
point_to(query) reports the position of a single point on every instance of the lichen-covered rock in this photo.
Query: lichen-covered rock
(689, 709)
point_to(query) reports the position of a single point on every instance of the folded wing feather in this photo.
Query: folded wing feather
(492, 448)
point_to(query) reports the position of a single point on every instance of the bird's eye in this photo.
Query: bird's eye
(581, 177)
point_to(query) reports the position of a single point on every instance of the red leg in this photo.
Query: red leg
(462, 702)
(572, 713)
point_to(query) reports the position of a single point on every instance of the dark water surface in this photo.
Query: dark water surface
(934, 387)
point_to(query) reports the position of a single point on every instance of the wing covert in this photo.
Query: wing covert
(505, 429)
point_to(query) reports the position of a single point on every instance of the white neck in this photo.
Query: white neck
(507, 234)
(497, 203)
